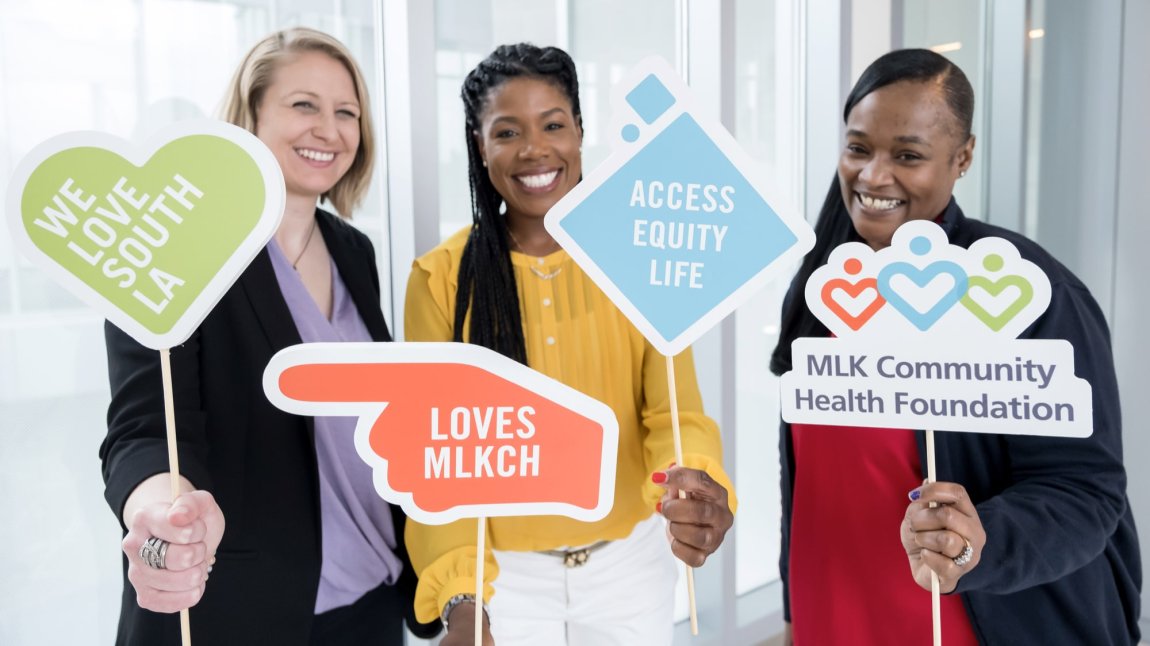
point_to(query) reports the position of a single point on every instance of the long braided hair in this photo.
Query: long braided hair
(834, 226)
(486, 278)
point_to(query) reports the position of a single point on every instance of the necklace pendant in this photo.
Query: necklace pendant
(547, 275)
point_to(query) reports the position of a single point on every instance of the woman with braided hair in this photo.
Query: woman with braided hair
(504, 283)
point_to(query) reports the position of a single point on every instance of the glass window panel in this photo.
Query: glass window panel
(954, 29)
(39, 293)
(464, 35)
(1073, 95)
(6, 277)
(515, 21)
(1035, 57)
(766, 126)
(605, 49)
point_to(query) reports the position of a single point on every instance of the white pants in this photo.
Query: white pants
(623, 596)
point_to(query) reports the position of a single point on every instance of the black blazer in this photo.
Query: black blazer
(258, 461)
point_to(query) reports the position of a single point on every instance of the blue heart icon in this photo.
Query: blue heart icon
(922, 278)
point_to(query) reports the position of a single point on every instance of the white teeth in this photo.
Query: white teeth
(878, 204)
(315, 155)
(538, 181)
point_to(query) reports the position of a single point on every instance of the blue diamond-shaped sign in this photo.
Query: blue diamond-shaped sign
(673, 226)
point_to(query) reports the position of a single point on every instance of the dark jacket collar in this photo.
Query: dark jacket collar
(952, 219)
(355, 260)
(356, 266)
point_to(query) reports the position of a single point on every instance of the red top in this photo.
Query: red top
(849, 578)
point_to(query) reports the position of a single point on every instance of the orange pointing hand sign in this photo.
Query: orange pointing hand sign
(457, 431)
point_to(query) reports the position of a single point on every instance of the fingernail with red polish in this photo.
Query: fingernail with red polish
(914, 495)
(659, 507)
(658, 477)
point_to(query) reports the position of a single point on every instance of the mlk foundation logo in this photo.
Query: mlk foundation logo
(924, 335)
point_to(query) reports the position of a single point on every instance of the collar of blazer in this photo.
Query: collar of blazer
(356, 266)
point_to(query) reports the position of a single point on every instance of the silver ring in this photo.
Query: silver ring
(154, 553)
(964, 557)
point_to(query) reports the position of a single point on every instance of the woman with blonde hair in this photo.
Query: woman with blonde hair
(311, 554)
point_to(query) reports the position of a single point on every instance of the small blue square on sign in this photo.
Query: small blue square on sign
(650, 99)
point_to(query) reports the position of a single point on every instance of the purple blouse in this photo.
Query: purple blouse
(358, 535)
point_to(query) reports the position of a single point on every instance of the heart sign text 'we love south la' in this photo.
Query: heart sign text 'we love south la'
(151, 236)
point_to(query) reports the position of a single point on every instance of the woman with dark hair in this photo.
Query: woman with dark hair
(504, 283)
(1032, 538)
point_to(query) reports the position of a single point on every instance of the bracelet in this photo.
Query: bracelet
(455, 601)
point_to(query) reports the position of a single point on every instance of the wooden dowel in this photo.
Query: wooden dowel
(935, 594)
(173, 464)
(682, 494)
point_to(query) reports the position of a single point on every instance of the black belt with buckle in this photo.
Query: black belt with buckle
(576, 558)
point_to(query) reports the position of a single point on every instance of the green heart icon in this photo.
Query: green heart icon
(994, 288)
(152, 241)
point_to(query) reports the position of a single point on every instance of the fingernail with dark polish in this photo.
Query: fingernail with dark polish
(914, 495)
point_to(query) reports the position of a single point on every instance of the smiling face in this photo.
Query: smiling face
(309, 118)
(904, 151)
(530, 141)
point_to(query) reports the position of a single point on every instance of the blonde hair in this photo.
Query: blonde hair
(255, 74)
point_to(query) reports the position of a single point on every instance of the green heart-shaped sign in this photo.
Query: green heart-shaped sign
(151, 240)
(994, 288)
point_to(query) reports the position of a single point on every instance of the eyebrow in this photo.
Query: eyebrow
(912, 139)
(905, 139)
(553, 111)
(316, 96)
(545, 114)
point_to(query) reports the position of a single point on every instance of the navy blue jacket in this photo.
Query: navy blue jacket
(1061, 563)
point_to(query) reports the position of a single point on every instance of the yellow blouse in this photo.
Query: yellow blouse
(576, 335)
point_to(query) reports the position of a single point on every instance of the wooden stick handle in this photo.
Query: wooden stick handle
(935, 595)
(480, 548)
(674, 410)
(173, 464)
(682, 494)
(691, 599)
(185, 628)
